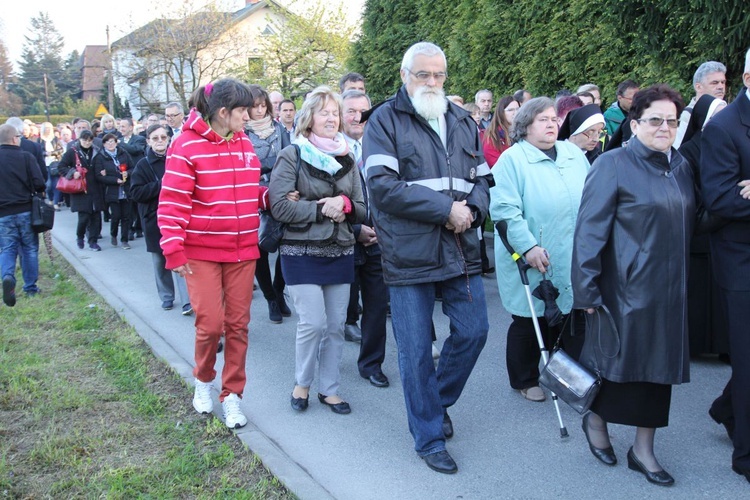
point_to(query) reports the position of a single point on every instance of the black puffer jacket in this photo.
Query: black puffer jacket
(412, 182)
(630, 253)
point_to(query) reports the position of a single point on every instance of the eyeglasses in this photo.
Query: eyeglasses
(593, 134)
(156, 138)
(510, 110)
(424, 76)
(18, 136)
(174, 115)
(656, 121)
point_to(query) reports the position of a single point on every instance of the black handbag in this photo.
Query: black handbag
(271, 231)
(572, 382)
(42, 214)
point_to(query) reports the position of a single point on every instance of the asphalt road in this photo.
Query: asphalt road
(505, 446)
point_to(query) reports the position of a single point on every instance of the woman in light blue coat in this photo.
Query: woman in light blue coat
(538, 186)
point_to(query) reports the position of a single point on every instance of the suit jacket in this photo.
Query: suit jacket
(36, 151)
(135, 146)
(725, 161)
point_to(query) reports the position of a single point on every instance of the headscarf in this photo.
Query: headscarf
(578, 120)
(702, 111)
(321, 153)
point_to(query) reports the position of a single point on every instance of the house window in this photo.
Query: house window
(255, 70)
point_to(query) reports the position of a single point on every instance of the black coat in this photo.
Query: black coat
(630, 253)
(136, 147)
(113, 173)
(36, 151)
(16, 166)
(93, 199)
(145, 186)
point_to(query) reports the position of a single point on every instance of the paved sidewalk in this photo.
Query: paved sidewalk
(505, 446)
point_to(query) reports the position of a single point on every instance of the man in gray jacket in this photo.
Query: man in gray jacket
(429, 185)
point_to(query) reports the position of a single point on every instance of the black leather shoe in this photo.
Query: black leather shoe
(741, 472)
(662, 478)
(728, 424)
(300, 404)
(352, 333)
(379, 380)
(441, 462)
(604, 455)
(341, 408)
(283, 308)
(447, 425)
(274, 315)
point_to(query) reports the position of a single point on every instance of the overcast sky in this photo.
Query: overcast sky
(84, 23)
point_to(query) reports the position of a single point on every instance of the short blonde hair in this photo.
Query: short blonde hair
(317, 100)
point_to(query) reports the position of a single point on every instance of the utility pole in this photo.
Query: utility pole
(46, 98)
(110, 82)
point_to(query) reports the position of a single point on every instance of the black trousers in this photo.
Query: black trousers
(522, 352)
(369, 276)
(136, 221)
(119, 212)
(733, 406)
(271, 289)
(91, 223)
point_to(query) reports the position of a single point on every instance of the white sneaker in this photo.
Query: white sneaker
(233, 416)
(202, 401)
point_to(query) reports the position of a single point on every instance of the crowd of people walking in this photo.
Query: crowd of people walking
(639, 213)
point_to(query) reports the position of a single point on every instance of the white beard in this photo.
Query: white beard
(430, 103)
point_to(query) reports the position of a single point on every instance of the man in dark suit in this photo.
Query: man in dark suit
(725, 174)
(29, 146)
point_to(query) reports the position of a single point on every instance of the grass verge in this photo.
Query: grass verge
(86, 410)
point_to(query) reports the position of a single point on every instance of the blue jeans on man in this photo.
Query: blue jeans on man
(17, 238)
(429, 392)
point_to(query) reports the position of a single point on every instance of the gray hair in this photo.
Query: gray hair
(8, 132)
(355, 94)
(175, 105)
(421, 48)
(15, 122)
(588, 87)
(483, 91)
(705, 69)
(747, 61)
(315, 101)
(526, 114)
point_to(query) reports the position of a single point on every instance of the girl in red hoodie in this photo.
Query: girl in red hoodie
(208, 217)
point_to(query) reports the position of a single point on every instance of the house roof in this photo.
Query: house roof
(160, 25)
(94, 55)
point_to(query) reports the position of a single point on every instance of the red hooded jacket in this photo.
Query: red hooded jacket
(210, 196)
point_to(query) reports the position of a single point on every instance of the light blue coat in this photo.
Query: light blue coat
(539, 199)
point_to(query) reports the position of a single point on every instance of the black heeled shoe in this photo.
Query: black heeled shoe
(662, 478)
(341, 408)
(604, 455)
(300, 404)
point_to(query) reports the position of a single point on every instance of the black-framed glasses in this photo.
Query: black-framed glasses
(656, 121)
(424, 76)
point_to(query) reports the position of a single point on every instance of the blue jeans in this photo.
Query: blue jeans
(429, 392)
(17, 237)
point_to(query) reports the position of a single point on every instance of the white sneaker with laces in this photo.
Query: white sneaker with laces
(202, 401)
(233, 416)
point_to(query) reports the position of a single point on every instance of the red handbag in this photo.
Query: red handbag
(73, 186)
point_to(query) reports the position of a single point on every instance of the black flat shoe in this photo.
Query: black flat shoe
(379, 380)
(604, 455)
(441, 462)
(662, 478)
(447, 425)
(341, 408)
(741, 472)
(300, 404)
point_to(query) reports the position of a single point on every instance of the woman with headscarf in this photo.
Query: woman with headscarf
(319, 202)
(706, 325)
(268, 138)
(584, 127)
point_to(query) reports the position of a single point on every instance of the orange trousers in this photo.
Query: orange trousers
(221, 294)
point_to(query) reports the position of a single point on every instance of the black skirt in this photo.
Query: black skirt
(640, 404)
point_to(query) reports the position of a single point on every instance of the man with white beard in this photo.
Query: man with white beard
(429, 185)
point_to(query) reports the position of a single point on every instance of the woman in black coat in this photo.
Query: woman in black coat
(630, 254)
(113, 166)
(145, 186)
(88, 205)
(706, 324)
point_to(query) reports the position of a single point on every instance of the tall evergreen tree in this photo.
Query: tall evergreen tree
(41, 55)
(10, 104)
